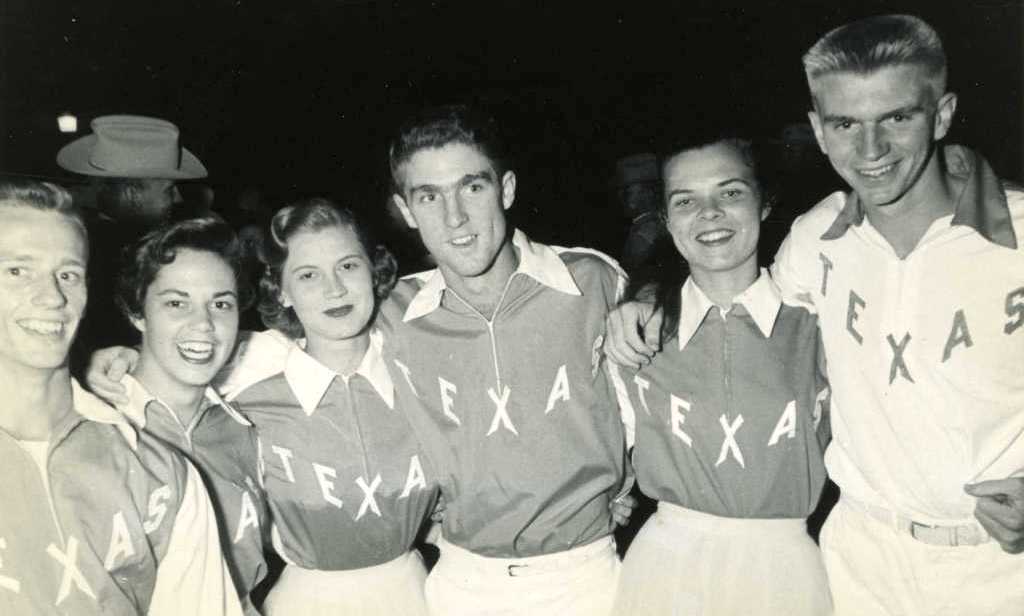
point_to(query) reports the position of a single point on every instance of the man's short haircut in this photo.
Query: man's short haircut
(868, 45)
(311, 215)
(41, 196)
(437, 127)
(144, 259)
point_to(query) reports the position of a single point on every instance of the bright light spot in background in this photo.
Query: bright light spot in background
(67, 123)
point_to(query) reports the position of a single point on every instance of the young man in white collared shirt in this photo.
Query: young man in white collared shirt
(917, 276)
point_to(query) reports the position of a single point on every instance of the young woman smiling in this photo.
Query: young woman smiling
(181, 287)
(348, 483)
(725, 419)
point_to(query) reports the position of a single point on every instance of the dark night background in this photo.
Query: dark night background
(299, 97)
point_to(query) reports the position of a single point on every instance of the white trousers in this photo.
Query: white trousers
(577, 582)
(688, 563)
(874, 569)
(394, 588)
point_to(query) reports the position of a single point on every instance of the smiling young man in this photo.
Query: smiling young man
(96, 519)
(917, 275)
(501, 345)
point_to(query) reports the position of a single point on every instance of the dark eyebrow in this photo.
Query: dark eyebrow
(678, 191)
(832, 119)
(173, 292)
(732, 180)
(225, 294)
(469, 178)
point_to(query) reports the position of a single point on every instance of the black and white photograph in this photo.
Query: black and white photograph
(511, 308)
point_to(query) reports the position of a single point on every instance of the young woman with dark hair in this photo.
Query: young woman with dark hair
(726, 418)
(182, 286)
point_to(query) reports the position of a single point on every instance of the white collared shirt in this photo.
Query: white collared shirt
(925, 352)
(761, 299)
(309, 379)
(538, 261)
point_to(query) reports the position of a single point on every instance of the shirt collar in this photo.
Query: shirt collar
(761, 300)
(980, 205)
(92, 408)
(309, 379)
(139, 398)
(537, 261)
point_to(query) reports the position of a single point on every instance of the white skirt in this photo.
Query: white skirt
(394, 588)
(685, 562)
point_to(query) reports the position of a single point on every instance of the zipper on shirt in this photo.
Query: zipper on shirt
(726, 365)
(353, 409)
(49, 497)
(490, 325)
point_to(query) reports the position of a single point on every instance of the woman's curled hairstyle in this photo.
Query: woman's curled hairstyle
(309, 215)
(142, 261)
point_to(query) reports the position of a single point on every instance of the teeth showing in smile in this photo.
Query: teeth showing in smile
(464, 240)
(196, 351)
(879, 172)
(715, 236)
(43, 328)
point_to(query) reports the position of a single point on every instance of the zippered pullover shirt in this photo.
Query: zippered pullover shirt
(106, 521)
(727, 415)
(222, 444)
(348, 482)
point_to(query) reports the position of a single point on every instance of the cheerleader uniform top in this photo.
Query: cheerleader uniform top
(726, 418)
(347, 481)
(221, 443)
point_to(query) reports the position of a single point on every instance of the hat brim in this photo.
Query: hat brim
(75, 157)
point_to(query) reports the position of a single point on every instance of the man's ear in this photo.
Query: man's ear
(944, 112)
(508, 189)
(400, 203)
(765, 211)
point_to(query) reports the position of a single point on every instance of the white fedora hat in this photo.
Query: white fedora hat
(127, 146)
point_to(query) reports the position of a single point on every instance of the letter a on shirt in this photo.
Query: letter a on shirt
(120, 542)
(415, 478)
(559, 391)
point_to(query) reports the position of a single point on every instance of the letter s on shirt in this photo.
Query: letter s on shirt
(157, 508)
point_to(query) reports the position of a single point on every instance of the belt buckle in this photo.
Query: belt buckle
(952, 534)
(512, 569)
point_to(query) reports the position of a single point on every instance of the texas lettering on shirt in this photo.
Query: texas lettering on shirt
(925, 352)
(222, 444)
(523, 414)
(348, 482)
(727, 415)
(87, 536)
